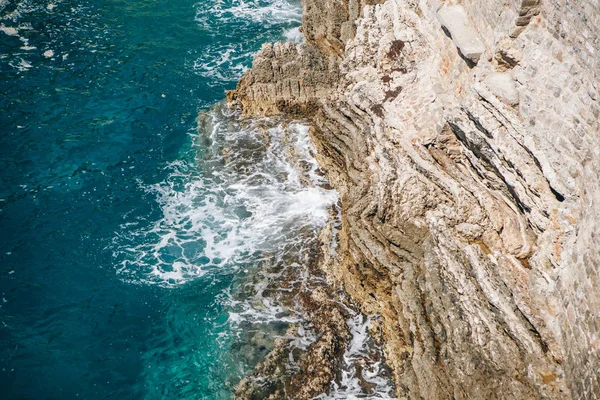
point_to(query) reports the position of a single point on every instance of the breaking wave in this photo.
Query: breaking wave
(253, 192)
(363, 373)
(228, 57)
(243, 207)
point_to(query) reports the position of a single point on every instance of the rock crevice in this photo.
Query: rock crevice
(469, 174)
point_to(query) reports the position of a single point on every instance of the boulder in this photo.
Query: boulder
(455, 21)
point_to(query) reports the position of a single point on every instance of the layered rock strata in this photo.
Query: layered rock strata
(470, 183)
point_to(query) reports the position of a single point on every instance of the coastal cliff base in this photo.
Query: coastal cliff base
(463, 139)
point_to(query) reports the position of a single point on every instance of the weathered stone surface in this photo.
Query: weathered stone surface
(507, 57)
(285, 78)
(329, 24)
(456, 21)
(470, 221)
(502, 85)
(527, 10)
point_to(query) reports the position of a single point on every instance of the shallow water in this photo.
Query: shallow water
(125, 234)
(140, 247)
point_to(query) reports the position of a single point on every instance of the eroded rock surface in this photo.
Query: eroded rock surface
(285, 78)
(470, 193)
(456, 22)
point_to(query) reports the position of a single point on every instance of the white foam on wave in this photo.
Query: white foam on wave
(230, 22)
(21, 64)
(10, 31)
(361, 352)
(294, 35)
(222, 63)
(18, 21)
(254, 191)
(262, 310)
(265, 12)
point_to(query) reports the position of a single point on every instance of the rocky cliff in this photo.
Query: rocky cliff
(463, 139)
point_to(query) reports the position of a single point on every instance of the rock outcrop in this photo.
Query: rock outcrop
(467, 159)
(455, 22)
(286, 78)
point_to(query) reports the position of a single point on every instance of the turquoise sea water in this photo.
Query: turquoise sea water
(124, 234)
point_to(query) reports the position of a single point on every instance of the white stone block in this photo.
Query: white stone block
(456, 21)
(503, 86)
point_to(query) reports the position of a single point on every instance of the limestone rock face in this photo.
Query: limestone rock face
(329, 24)
(503, 86)
(285, 78)
(456, 21)
(470, 193)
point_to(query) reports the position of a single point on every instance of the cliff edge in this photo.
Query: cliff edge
(463, 139)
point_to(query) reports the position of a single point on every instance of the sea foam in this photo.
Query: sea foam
(255, 192)
(363, 374)
(226, 21)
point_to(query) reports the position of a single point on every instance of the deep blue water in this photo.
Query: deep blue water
(115, 274)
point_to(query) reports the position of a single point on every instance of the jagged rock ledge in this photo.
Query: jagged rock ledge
(463, 139)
